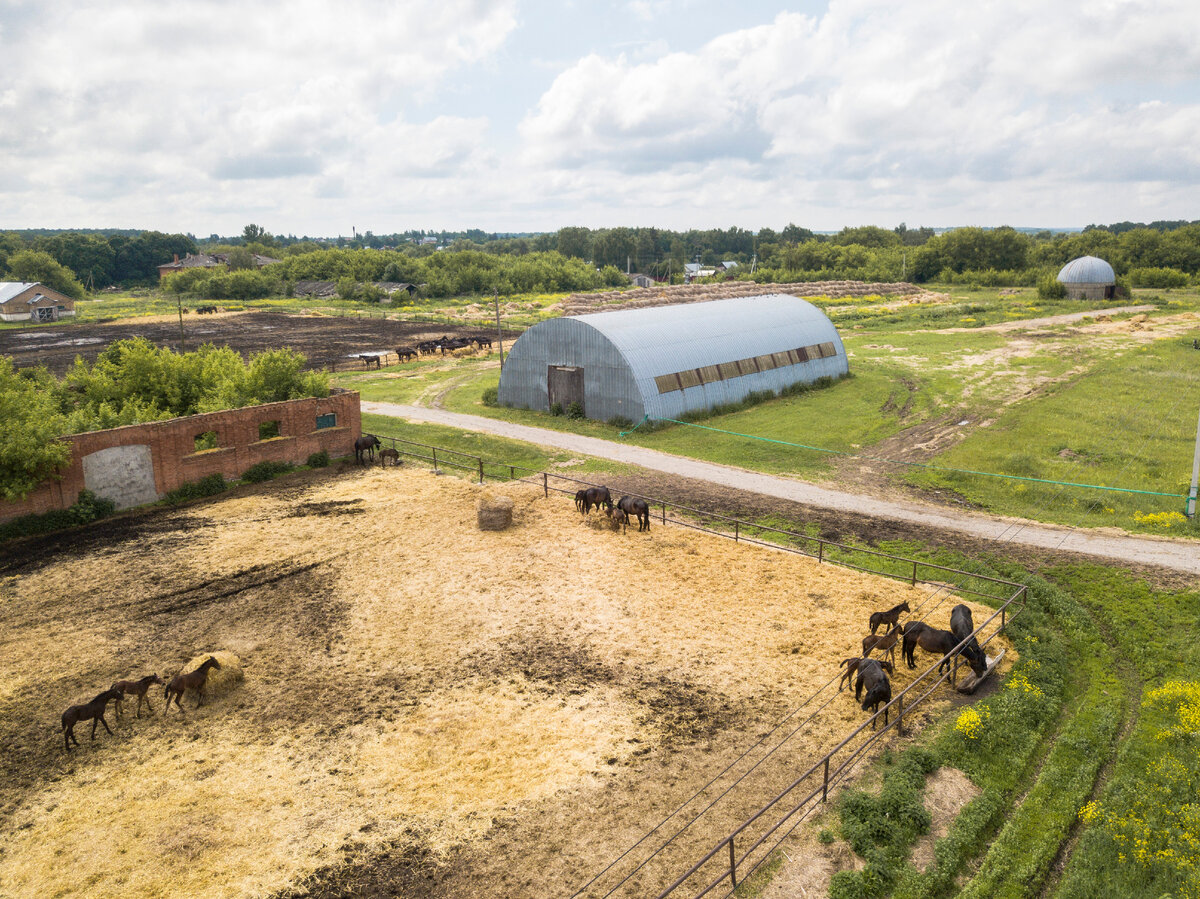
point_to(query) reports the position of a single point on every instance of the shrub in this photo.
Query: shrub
(491, 396)
(264, 471)
(575, 411)
(620, 421)
(1050, 288)
(87, 508)
(318, 460)
(556, 409)
(210, 485)
(1157, 277)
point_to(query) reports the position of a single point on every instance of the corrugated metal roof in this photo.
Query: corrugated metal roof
(9, 289)
(664, 339)
(1087, 270)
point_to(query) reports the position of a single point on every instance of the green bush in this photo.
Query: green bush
(556, 409)
(87, 508)
(1050, 288)
(491, 396)
(1161, 278)
(210, 485)
(318, 460)
(620, 421)
(575, 411)
(265, 471)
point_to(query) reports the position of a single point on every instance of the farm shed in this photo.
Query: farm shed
(32, 301)
(667, 360)
(1088, 278)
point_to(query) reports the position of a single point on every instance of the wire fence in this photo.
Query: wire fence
(751, 843)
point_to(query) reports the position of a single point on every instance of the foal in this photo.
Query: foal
(193, 680)
(136, 688)
(93, 710)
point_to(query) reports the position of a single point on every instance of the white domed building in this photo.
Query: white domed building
(1088, 278)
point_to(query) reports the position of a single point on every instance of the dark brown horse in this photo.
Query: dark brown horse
(365, 444)
(370, 359)
(885, 643)
(932, 639)
(879, 689)
(389, 453)
(851, 666)
(636, 507)
(405, 353)
(890, 617)
(93, 710)
(595, 497)
(193, 680)
(619, 518)
(138, 688)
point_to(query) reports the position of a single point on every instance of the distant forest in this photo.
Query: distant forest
(1160, 254)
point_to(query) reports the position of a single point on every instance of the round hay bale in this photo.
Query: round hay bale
(494, 513)
(220, 680)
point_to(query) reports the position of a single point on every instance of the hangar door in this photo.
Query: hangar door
(564, 384)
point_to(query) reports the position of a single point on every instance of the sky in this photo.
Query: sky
(316, 118)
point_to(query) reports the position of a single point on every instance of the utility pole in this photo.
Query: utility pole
(499, 333)
(1191, 503)
(179, 303)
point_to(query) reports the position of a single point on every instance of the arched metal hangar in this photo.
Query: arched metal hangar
(663, 361)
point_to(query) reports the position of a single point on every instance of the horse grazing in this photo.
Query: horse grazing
(890, 617)
(93, 710)
(879, 689)
(365, 444)
(389, 453)
(636, 507)
(595, 497)
(619, 518)
(851, 666)
(138, 688)
(482, 342)
(369, 360)
(932, 639)
(885, 643)
(961, 624)
(405, 353)
(580, 496)
(193, 680)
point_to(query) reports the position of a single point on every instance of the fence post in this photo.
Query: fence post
(825, 787)
(1003, 616)
(735, 532)
(914, 577)
(546, 485)
(481, 469)
(732, 865)
(434, 448)
(900, 714)
(664, 505)
(512, 473)
(820, 551)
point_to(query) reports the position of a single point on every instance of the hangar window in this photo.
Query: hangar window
(690, 378)
(667, 383)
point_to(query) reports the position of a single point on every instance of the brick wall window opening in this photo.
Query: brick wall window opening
(206, 441)
(328, 420)
(268, 429)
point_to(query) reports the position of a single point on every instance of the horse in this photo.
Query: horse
(369, 360)
(885, 644)
(580, 496)
(962, 626)
(94, 710)
(482, 342)
(932, 639)
(851, 666)
(365, 444)
(595, 497)
(193, 680)
(636, 507)
(389, 453)
(890, 617)
(405, 353)
(138, 688)
(619, 518)
(879, 689)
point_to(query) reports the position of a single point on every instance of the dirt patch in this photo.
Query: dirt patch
(947, 791)
(455, 712)
(324, 340)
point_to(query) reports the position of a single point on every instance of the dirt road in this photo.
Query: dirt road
(1178, 555)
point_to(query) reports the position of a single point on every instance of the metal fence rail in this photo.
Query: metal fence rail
(723, 863)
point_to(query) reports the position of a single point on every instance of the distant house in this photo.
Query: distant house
(639, 280)
(1088, 278)
(693, 270)
(205, 260)
(726, 266)
(32, 301)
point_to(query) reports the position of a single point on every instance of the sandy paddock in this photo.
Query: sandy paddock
(427, 710)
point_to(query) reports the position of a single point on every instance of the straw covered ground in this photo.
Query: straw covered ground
(427, 709)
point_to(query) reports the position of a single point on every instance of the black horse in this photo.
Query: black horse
(365, 444)
(636, 507)
(879, 689)
(595, 497)
(962, 626)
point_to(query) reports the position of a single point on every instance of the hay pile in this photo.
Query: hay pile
(493, 513)
(584, 303)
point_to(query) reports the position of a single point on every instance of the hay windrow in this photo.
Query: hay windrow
(405, 674)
